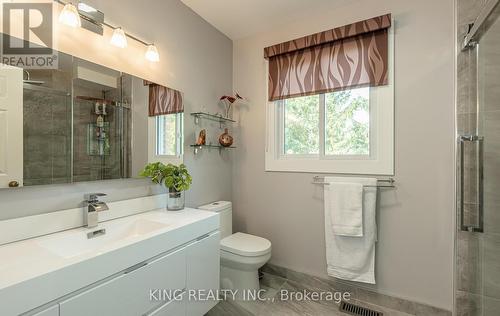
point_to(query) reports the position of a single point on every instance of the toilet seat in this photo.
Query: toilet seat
(245, 245)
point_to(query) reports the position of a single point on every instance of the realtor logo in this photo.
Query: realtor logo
(28, 36)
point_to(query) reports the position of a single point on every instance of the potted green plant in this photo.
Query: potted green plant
(176, 178)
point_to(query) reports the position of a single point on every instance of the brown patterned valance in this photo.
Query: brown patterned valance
(163, 100)
(354, 55)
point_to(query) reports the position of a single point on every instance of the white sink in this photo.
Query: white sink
(75, 243)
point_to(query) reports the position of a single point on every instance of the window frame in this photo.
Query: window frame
(381, 158)
(280, 113)
(153, 131)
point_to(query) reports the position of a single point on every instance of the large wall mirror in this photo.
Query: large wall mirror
(78, 122)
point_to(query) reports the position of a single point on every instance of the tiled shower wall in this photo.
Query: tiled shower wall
(478, 254)
(49, 114)
(47, 137)
(89, 167)
(47, 126)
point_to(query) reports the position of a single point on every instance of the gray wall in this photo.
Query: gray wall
(415, 220)
(196, 59)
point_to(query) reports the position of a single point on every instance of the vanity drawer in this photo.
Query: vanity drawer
(129, 293)
(52, 311)
(173, 308)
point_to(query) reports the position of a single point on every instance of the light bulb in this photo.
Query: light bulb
(152, 53)
(119, 39)
(69, 16)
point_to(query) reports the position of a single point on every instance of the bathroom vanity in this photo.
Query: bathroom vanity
(131, 269)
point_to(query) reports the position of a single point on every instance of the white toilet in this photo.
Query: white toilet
(241, 254)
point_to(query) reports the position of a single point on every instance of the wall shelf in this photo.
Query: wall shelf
(197, 148)
(212, 117)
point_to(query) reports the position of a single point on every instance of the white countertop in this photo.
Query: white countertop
(46, 268)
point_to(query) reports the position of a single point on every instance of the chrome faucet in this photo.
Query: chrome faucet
(94, 206)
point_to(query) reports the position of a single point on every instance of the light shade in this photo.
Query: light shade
(152, 53)
(119, 39)
(69, 16)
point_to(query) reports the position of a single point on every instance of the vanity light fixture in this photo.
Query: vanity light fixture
(69, 16)
(86, 8)
(90, 18)
(152, 53)
(119, 39)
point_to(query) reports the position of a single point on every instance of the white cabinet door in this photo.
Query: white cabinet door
(11, 125)
(172, 308)
(130, 293)
(203, 270)
(52, 311)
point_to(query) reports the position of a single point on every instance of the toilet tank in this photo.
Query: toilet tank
(224, 208)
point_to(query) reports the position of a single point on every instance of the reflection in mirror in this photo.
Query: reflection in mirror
(79, 122)
(135, 96)
(46, 117)
(157, 116)
(100, 124)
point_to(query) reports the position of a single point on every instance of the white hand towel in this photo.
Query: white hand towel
(352, 258)
(346, 208)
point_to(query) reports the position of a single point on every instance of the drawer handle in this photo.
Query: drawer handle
(202, 237)
(135, 267)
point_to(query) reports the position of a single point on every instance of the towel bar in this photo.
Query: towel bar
(388, 183)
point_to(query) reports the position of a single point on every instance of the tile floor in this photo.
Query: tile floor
(272, 303)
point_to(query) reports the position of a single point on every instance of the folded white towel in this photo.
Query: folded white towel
(351, 258)
(345, 205)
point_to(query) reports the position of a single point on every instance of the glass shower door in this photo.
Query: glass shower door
(478, 236)
(488, 82)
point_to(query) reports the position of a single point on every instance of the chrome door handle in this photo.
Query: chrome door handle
(479, 181)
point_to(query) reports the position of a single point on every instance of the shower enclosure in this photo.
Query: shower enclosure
(76, 126)
(477, 255)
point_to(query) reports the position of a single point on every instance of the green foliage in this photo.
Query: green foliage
(302, 125)
(345, 133)
(175, 178)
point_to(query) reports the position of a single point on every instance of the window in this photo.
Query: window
(345, 127)
(347, 122)
(348, 131)
(166, 135)
(166, 138)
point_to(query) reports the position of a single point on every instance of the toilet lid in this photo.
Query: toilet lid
(245, 245)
